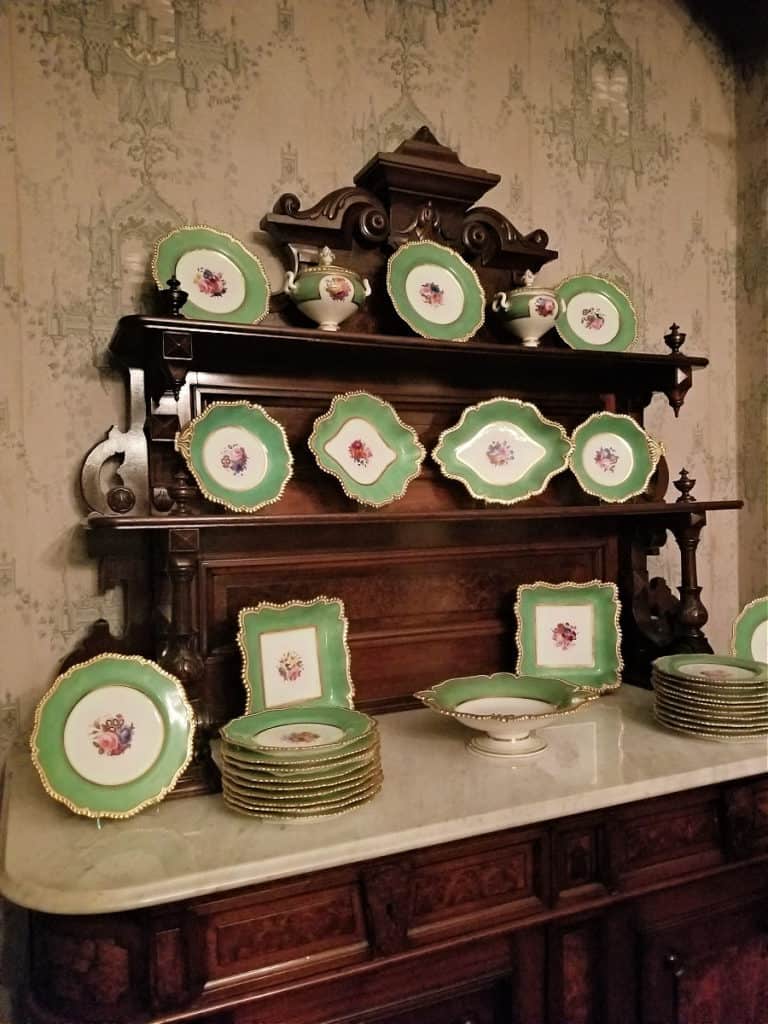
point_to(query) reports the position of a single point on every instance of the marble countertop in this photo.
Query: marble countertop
(434, 791)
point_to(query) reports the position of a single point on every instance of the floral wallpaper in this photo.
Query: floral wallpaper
(124, 118)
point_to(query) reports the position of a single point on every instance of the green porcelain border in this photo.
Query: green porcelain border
(645, 449)
(170, 249)
(578, 283)
(410, 255)
(393, 482)
(606, 675)
(64, 784)
(255, 420)
(326, 614)
(746, 622)
(355, 724)
(526, 416)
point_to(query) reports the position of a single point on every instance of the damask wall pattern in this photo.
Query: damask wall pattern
(123, 118)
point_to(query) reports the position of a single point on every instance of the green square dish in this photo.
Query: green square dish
(570, 631)
(295, 654)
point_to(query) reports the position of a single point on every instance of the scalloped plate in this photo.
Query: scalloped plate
(503, 450)
(295, 654)
(112, 736)
(570, 631)
(597, 314)
(286, 733)
(435, 291)
(612, 456)
(363, 443)
(749, 636)
(223, 279)
(238, 455)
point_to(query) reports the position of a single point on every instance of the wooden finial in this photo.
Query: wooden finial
(171, 299)
(675, 339)
(685, 485)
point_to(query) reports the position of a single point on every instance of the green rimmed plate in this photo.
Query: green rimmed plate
(304, 815)
(298, 732)
(224, 281)
(280, 800)
(238, 455)
(281, 787)
(749, 637)
(363, 443)
(299, 769)
(295, 653)
(435, 291)
(712, 669)
(612, 456)
(112, 736)
(677, 725)
(503, 450)
(570, 631)
(597, 314)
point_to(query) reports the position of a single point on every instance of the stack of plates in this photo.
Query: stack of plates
(713, 696)
(301, 762)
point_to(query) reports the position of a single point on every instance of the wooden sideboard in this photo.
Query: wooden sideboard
(654, 912)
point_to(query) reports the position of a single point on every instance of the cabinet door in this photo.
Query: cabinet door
(711, 970)
(488, 1004)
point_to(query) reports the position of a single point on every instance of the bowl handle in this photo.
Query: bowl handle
(499, 302)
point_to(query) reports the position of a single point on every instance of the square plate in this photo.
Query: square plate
(295, 654)
(570, 631)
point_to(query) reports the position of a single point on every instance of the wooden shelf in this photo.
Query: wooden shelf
(356, 516)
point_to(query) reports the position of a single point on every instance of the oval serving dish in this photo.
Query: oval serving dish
(506, 708)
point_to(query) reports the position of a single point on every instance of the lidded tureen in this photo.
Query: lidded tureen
(325, 293)
(528, 312)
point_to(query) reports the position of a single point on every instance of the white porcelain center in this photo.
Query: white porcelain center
(360, 450)
(290, 666)
(213, 281)
(113, 735)
(235, 458)
(505, 706)
(707, 670)
(565, 635)
(500, 453)
(759, 644)
(607, 459)
(301, 735)
(435, 293)
(593, 318)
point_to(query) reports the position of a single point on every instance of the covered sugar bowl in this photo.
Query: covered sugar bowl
(325, 293)
(528, 312)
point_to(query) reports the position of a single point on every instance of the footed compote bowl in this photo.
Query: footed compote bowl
(506, 709)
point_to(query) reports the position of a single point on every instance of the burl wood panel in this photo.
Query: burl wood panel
(424, 602)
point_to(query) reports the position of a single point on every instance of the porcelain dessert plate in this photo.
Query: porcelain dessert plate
(295, 654)
(435, 291)
(597, 315)
(505, 708)
(612, 456)
(716, 671)
(503, 450)
(363, 443)
(749, 638)
(238, 455)
(298, 731)
(224, 281)
(570, 631)
(112, 736)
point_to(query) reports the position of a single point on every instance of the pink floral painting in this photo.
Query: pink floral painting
(301, 736)
(592, 318)
(432, 293)
(606, 458)
(112, 736)
(499, 453)
(290, 666)
(563, 635)
(235, 457)
(359, 452)
(714, 673)
(544, 306)
(210, 282)
(338, 288)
